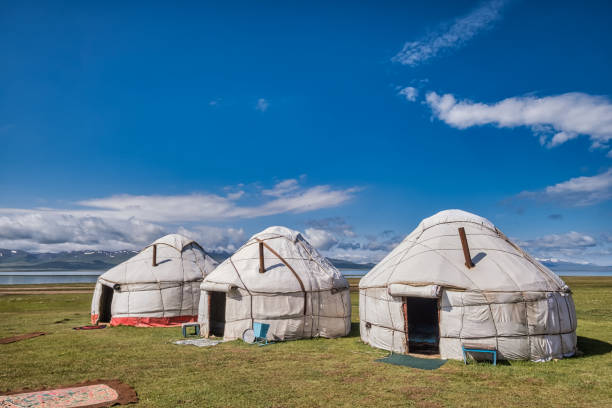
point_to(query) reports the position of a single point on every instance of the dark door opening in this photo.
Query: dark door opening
(421, 325)
(217, 314)
(106, 301)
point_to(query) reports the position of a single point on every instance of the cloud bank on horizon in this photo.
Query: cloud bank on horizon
(571, 246)
(131, 221)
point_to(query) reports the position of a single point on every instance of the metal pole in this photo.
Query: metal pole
(262, 267)
(154, 255)
(466, 249)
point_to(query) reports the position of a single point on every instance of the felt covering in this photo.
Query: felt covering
(508, 300)
(166, 294)
(300, 293)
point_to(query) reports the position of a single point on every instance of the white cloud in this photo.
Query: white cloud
(282, 188)
(409, 92)
(49, 232)
(556, 119)
(577, 191)
(571, 246)
(385, 241)
(215, 238)
(178, 208)
(235, 195)
(358, 255)
(568, 240)
(331, 239)
(287, 197)
(337, 225)
(460, 32)
(320, 239)
(131, 221)
(311, 199)
(262, 105)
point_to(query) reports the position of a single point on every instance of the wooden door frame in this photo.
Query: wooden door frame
(406, 325)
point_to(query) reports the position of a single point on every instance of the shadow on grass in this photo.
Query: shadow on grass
(354, 330)
(487, 362)
(593, 347)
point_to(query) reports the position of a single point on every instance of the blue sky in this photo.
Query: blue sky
(350, 122)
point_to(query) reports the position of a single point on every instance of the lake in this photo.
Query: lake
(42, 277)
(36, 277)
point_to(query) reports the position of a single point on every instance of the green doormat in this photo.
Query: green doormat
(414, 362)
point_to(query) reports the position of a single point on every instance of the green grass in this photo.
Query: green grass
(319, 372)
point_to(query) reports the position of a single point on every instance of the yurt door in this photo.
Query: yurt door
(106, 301)
(217, 313)
(421, 325)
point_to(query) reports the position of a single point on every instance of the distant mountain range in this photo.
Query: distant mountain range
(560, 266)
(16, 260)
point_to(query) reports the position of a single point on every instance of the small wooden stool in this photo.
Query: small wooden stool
(195, 325)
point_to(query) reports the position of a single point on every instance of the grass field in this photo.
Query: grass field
(319, 372)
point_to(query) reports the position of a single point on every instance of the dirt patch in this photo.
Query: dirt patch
(438, 379)
(428, 404)
(535, 381)
(421, 396)
(353, 380)
(20, 337)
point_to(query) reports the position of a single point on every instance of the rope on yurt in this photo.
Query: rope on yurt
(246, 288)
(161, 298)
(296, 277)
(312, 284)
(311, 301)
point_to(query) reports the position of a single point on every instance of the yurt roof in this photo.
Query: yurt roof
(278, 231)
(305, 265)
(172, 255)
(433, 254)
(176, 241)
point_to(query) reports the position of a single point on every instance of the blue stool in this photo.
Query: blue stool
(261, 331)
(478, 349)
(194, 325)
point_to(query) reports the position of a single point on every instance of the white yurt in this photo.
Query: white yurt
(276, 278)
(160, 286)
(456, 281)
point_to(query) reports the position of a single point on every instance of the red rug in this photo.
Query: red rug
(99, 393)
(13, 339)
(90, 327)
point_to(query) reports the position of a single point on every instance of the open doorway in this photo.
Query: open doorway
(421, 325)
(216, 314)
(106, 301)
